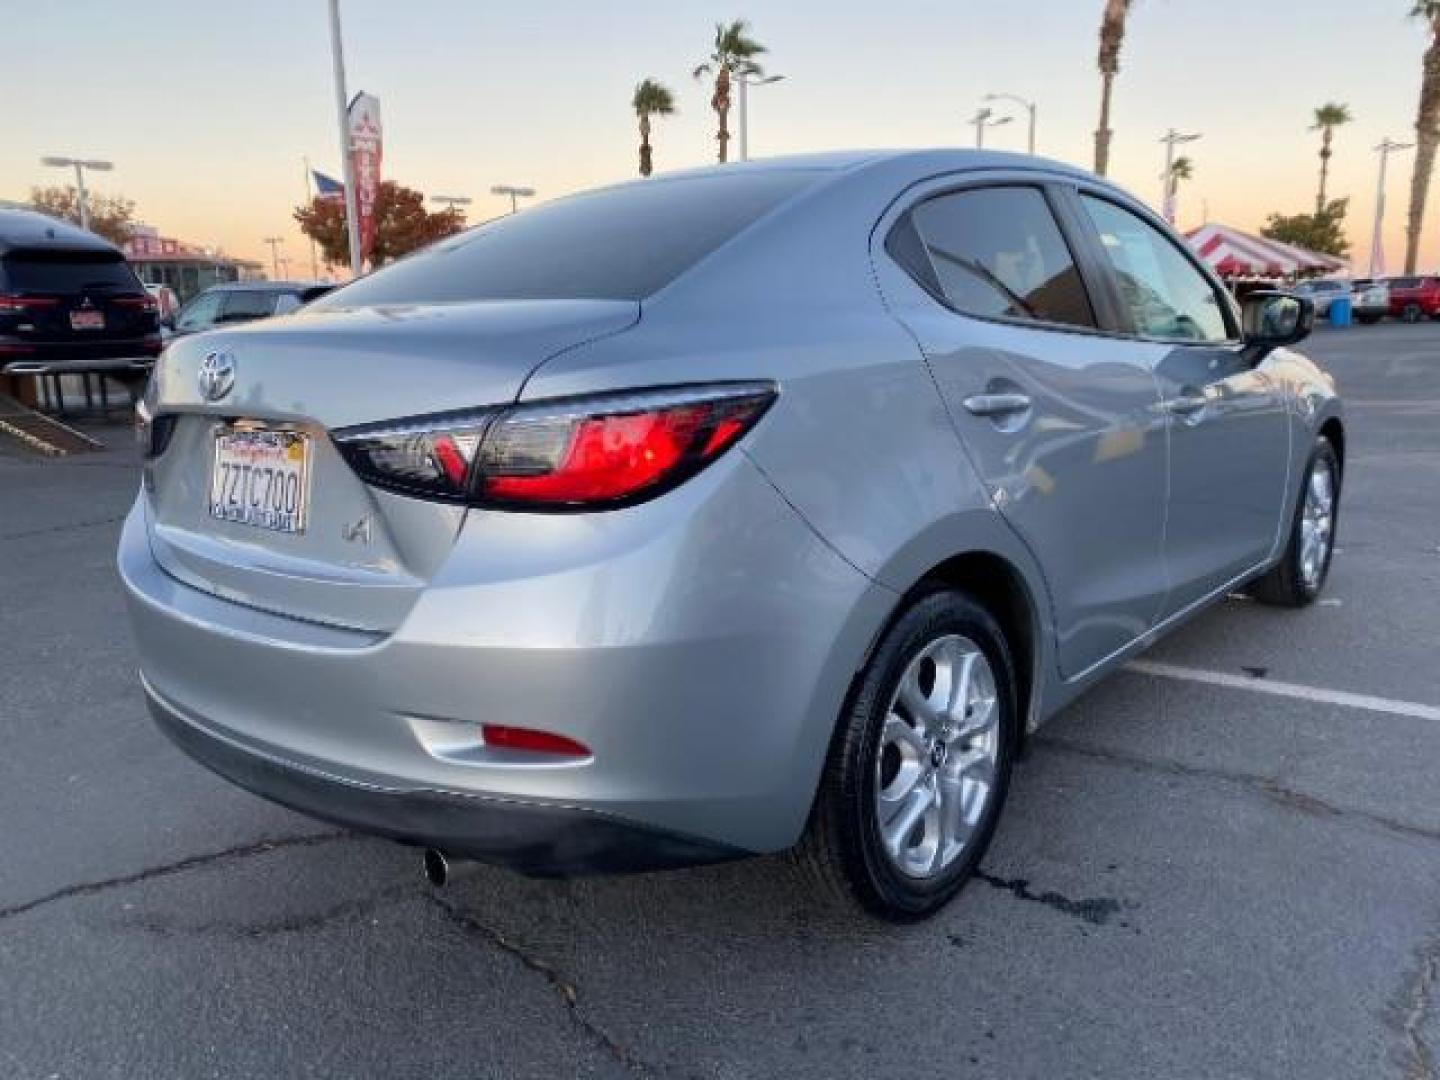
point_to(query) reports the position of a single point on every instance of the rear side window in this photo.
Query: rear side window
(65, 272)
(996, 253)
(248, 304)
(622, 243)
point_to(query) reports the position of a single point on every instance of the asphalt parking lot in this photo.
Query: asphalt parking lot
(1212, 867)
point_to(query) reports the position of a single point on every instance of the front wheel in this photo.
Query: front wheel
(1411, 313)
(1296, 580)
(920, 763)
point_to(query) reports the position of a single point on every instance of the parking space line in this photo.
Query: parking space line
(1286, 689)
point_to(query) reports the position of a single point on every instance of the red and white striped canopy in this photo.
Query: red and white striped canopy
(1232, 253)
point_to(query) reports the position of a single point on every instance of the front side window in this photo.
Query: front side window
(1166, 295)
(996, 253)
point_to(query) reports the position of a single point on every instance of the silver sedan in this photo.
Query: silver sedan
(755, 507)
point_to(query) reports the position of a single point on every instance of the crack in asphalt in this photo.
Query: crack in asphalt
(24, 534)
(1269, 786)
(180, 866)
(563, 987)
(1413, 1005)
(1095, 910)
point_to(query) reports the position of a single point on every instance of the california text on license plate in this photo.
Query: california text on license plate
(87, 320)
(261, 478)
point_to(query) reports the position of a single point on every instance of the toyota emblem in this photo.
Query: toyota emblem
(217, 375)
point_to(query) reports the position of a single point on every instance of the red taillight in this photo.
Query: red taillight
(584, 453)
(20, 303)
(144, 303)
(538, 742)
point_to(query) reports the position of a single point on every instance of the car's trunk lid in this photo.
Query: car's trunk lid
(360, 555)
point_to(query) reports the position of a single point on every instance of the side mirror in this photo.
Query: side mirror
(1270, 320)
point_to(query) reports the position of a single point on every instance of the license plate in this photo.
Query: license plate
(87, 320)
(261, 478)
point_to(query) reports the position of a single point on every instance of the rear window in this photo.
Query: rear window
(623, 243)
(68, 272)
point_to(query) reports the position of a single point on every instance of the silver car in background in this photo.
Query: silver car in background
(715, 514)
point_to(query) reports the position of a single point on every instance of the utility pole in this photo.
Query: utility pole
(514, 193)
(1167, 191)
(1028, 106)
(1387, 147)
(453, 202)
(79, 165)
(342, 117)
(274, 242)
(984, 118)
(745, 83)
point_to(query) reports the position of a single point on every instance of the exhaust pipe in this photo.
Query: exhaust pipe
(437, 867)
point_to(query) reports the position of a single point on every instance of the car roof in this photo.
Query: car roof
(30, 230)
(267, 286)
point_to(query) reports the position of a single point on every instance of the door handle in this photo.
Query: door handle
(1187, 404)
(997, 404)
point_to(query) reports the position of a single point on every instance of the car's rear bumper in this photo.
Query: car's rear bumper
(702, 657)
(542, 840)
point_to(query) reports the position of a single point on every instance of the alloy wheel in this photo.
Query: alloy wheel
(935, 768)
(1317, 523)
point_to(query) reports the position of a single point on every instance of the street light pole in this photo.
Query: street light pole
(1167, 190)
(342, 117)
(514, 193)
(80, 165)
(1029, 106)
(1387, 147)
(984, 118)
(274, 242)
(745, 83)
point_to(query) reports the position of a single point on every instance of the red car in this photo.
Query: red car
(1412, 298)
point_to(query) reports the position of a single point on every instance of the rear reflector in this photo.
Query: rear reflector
(20, 303)
(598, 452)
(539, 742)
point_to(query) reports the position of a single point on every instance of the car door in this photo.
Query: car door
(1062, 426)
(1228, 427)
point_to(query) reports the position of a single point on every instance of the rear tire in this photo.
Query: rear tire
(919, 765)
(1297, 579)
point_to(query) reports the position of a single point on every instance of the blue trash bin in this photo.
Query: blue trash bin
(1339, 314)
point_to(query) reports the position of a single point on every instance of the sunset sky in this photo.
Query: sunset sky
(207, 107)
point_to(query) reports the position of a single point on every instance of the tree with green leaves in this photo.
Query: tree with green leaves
(651, 99)
(732, 56)
(1112, 36)
(111, 216)
(1427, 129)
(1323, 231)
(1182, 168)
(402, 224)
(1327, 118)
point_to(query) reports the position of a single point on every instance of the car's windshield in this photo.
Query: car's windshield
(621, 243)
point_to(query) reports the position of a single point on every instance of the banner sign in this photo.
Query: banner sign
(366, 146)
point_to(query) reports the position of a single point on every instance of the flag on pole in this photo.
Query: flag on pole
(327, 187)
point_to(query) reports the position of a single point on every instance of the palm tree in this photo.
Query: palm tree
(733, 55)
(1427, 129)
(1182, 168)
(1112, 35)
(1327, 118)
(651, 99)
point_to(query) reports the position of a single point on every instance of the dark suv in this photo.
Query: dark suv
(68, 297)
(1414, 298)
(243, 301)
